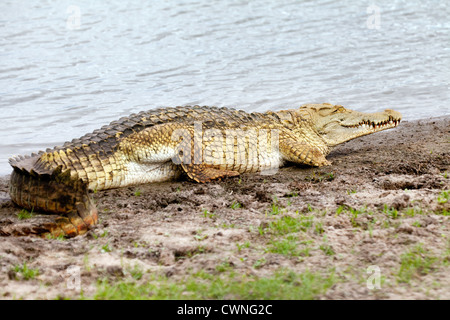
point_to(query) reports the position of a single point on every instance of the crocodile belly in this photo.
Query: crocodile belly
(138, 173)
(134, 173)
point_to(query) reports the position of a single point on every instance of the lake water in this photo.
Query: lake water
(69, 67)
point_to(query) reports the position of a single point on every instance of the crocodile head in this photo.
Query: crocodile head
(336, 124)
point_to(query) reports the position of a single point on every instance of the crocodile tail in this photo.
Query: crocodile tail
(53, 191)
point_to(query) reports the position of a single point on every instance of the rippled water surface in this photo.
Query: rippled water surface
(67, 70)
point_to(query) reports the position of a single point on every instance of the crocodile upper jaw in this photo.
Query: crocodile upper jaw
(336, 124)
(337, 132)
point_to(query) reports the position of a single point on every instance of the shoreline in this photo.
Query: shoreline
(383, 202)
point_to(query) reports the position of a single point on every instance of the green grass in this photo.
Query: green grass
(417, 224)
(339, 210)
(228, 225)
(246, 244)
(446, 255)
(444, 197)
(275, 208)
(390, 212)
(86, 264)
(106, 248)
(327, 249)
(199, 236)
(288, 246)
(136, 272)
(414, 263)
(235, 205)
(318, 228)
(288, 224)
(283, 284)
(355, 213)
(444, 212)
(137, 193)
(259, 263)
(103, 235)
(224, 266)
(50, 236)
(25, 214)
(413, 211)
(26, 272)
(208, 214)
(285, 235)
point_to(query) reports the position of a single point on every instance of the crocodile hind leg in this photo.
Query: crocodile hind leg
(67, 198)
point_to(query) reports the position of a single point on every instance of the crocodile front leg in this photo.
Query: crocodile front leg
(302, 152)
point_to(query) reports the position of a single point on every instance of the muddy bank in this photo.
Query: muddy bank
(383, 204)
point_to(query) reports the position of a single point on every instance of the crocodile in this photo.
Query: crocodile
(204, 143)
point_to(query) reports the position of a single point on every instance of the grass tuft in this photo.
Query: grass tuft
(415, 262)
(27, 273)
(25, 214)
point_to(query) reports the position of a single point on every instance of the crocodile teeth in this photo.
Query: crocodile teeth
(372, 125)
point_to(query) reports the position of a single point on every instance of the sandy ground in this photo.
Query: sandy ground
(397, 179)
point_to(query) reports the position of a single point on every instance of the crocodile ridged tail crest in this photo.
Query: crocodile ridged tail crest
(53, 192)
